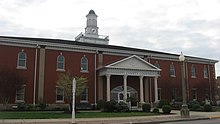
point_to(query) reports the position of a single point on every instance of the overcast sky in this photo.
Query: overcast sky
(191, 26)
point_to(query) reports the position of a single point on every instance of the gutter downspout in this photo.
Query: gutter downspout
(95, 80)
(35, 76)
(210, 87)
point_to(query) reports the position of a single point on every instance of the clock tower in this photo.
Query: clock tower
(91, 24)
(91, 31)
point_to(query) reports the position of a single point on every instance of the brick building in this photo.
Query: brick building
(112, 71)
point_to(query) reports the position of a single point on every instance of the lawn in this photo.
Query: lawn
(57, 114)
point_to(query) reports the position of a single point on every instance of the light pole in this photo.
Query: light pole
(184, 111)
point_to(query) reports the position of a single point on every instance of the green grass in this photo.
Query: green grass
(56, 115)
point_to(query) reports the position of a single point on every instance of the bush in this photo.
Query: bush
(207, 108)
(166, 109)
(122, 107)
(163, 102)
(42, 106)
(100, 104)
(110, 106)
(146, 107)
(194, 106)
(156, 110)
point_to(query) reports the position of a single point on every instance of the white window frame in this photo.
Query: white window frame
(193, 71)
(172, 70)
(62, 94)
(86, 93)
(159, 93)
(194, 94)
(205, 72)
(22, 59)
(82, 64)
(60, 62)
(21, 93)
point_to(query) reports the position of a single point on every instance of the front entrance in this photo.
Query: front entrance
(117, 94)
(121, 96)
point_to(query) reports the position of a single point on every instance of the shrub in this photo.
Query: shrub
(122, 107)
(207, 108)
(163, 102)
(110, 106)
(146, 107)
(100, 104)
(42, 106)
(194, 106)
(156, 110)
(166, 109)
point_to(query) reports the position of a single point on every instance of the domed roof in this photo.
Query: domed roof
(91, 12)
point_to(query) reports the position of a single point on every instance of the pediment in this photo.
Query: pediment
(133, 62)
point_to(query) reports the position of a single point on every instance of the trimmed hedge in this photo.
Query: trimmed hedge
(166, 109)
(146, 107)
(207, 108)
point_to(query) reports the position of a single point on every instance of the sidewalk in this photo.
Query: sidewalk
(175, 116)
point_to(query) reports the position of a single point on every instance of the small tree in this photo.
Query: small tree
(65, 81)
(9, 81)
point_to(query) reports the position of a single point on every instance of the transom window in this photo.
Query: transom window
(172, 70)
(20, 92)
(59, 94)
(21, 60)
(60, 62)
(205, 72)
(84, 64)
(193, 71)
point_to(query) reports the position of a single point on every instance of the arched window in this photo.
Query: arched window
(60, 62)
(22, 57)
(172, 70)
(193, 71)
(84, 64)
(157, 64)
(205, 72)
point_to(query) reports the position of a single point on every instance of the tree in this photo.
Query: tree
(9, 82)
(65, 82)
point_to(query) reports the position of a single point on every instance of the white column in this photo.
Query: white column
(108, 87)
(155, 89)
(125, 87)
(141, 90)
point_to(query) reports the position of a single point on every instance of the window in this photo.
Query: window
(20, 91)
(159, 93)
(193, 71)
(84, 64)
(174, 92)
(157, 64)
(205, 72)
(172, 70)
(84, 95)
(194, 94)
(22, 60)
(206, 94)
(59, 94)
(60, 62)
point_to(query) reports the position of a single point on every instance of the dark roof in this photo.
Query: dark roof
(71, 42)
(91, 12)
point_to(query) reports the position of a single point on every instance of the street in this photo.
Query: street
(212, 121)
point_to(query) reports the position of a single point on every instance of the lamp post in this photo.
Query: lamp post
(184, 111)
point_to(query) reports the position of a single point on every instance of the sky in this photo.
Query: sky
(190, 26)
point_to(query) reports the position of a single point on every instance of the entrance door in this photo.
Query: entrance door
(121, 96)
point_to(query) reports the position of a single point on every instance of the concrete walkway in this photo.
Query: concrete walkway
(175, 116)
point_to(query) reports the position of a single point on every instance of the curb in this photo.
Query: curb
(214, 117)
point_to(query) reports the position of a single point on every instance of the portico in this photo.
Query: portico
(132, 66)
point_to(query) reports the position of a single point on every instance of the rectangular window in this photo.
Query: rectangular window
(174, 92)
(207, 94)
(84, 95)
(205, 72)
(59, 94)
(20, 91)
(194, 94)
(159, 93)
